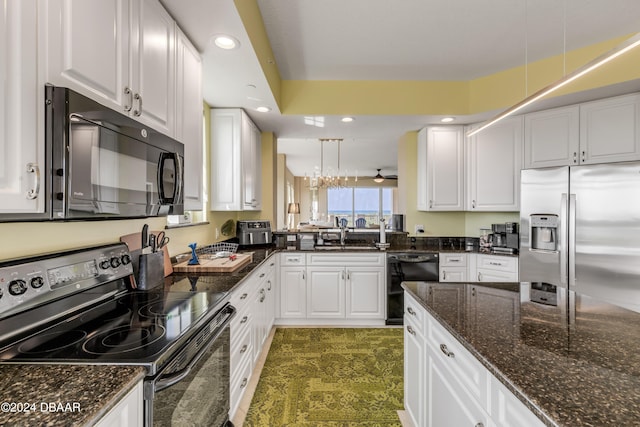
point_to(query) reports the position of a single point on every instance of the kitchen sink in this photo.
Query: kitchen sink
(346, 248)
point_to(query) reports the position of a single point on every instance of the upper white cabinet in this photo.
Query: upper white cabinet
(600, 131)
(236, 159)
(119, 52)
(441, 168)
(552, 137)
(494, 159)
(22, 163)
(189, 118)
(609, 130)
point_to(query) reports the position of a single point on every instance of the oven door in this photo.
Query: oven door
(193, 389)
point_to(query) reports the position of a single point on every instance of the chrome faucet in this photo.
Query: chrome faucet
(343, 235)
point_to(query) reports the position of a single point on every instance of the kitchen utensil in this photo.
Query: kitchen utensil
(133, 242)
(161, 240)
(152, 243)
(145, 238)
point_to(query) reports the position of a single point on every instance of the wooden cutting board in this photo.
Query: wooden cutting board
(217, 265)
(134, 242)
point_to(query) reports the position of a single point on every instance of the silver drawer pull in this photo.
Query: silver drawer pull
(411, 311)
(454, 260)
(244, 319)
(261, 275)
(244, 382)
(446, 351)
(243, 349)
(410, 330)
(479, 425)
(244, 296)
(495, 263)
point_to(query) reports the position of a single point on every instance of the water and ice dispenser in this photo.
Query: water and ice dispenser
(544, 232)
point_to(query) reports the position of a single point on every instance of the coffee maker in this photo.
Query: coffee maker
(505, 238)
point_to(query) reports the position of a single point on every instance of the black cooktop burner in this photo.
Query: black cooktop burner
(51, 342)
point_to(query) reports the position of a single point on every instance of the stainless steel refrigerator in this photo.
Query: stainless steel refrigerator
(580, 230)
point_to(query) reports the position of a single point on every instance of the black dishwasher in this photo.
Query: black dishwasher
(403, 267)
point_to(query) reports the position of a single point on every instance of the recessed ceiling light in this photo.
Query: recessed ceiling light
(447, 119)
(224, 41)
(347, 119)
(263, 109)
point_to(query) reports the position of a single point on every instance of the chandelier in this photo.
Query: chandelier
(329, 178)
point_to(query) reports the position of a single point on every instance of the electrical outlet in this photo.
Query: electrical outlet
(418, 229)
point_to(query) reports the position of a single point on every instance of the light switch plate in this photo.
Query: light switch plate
(418, 229)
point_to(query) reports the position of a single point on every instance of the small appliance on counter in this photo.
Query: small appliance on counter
(254, 232)
(397, 222)
(505, 238)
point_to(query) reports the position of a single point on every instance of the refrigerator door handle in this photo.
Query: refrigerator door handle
(562, 246)
(572, 241)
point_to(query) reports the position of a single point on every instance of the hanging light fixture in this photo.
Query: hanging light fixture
(330, 178)
(378, 178)
(621, 49)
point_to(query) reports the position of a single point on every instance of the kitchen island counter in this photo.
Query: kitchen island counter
(574, 364)
(80, 394)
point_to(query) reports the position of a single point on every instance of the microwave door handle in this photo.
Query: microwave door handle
(177, 179)
(163, 382)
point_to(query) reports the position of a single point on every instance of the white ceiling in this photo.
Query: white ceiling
(384, 40)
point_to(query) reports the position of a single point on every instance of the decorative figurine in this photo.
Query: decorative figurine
(194, 257)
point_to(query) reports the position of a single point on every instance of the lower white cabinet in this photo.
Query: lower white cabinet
(339, 288)
(454, 267)
(128, 412)
(445, 385)
(494, 268)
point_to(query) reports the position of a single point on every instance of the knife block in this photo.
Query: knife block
(148, 269)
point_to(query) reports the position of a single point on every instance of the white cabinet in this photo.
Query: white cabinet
(552, 137)
(236, 159)
(414, 362)
(453, 267)
(494, 159)
(119, 52)
(494, 268)
(293, 292)
(326, 292)
(609, 130)
(128, 412)
(507, 410)
(441, 169)
(22, 163)
(189, 118)
(365, 293)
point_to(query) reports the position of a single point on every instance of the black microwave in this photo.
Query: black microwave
(106, 165)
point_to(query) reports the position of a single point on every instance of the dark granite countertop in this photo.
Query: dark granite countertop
(576, 366)
(81, 394)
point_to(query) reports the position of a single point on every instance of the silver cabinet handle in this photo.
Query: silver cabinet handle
(244, 382)
(410, 330)
(454, 260)
(244, 296)
(444, 275)
(584, 156)
(473, 292)
(263, 295)
(138, 98)
(348, 275)
(411, 311)
(495, 263)
(430, 204)
(575, 157)
(479, 425)
(129, 94)
(269, 286)
(479, 277)
(304, 276)
(243, 349)
(261, 275)
(272, 264)
(244, 319)
(473, 204)
(35, 190)
(446, 351)
(342, 275)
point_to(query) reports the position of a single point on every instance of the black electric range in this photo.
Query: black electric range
(78, 307)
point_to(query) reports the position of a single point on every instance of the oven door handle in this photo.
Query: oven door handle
(163, 382)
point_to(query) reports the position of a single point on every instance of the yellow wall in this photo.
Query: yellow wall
(269, 181)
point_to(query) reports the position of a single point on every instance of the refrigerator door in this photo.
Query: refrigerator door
(543, 225)
(607, 233)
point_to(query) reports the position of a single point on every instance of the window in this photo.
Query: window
(369, 203)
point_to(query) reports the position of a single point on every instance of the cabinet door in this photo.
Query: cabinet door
(326, 292)
(22, 163)
(487, 275)
(87, 49)
(127, 413)
(259, 324)
(365, 292)
(453, 274)
(189, 119)
(494, 162)
(153, 62)
(552, 137)
(609, 130)
(251, 164)
(414, 373)
(421, 178)
(447, 402)
(445, 169)
(225, 160)
(293, 295)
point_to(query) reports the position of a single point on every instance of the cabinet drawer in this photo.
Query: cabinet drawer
(453, 259)
(346, 259)
(488, 275)
(414, 312)
(241, 323)
(290, 259)
(463, 366)
(239, 384)
(241, 349)
(494, 262)
(240, 296)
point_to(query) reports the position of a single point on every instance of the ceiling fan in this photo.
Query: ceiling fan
(379, 178)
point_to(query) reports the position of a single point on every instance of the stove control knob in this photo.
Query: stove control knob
(105, 264)
(1, 293)
(17, 287)
(114, 262)
(37, 282)
(125, 259)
